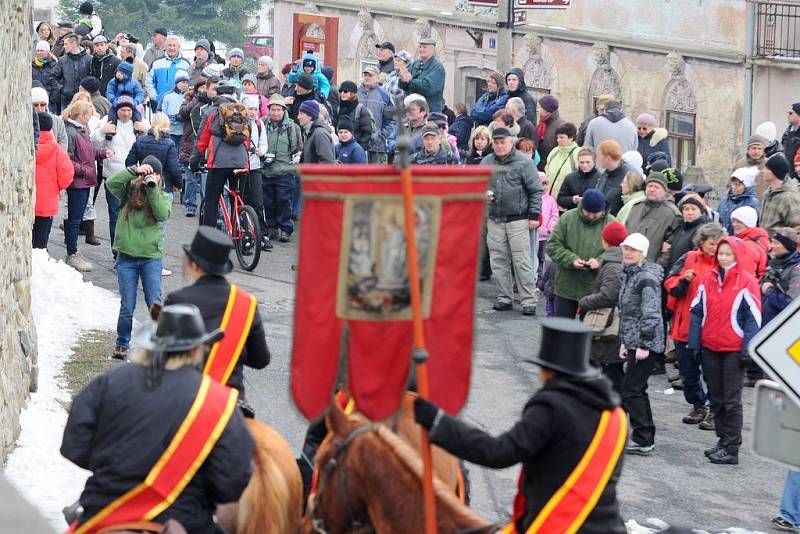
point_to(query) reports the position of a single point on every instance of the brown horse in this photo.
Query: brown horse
(369, 479)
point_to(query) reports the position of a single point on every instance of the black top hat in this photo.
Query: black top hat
(180, 328)
(210, 249)
(565, 348)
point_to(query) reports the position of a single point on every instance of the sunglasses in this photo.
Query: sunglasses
(40, 105)
(642, 127)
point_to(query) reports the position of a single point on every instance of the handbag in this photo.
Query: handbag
(604, 322)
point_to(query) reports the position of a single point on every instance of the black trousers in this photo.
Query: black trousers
(41, 231)
(254, 195)
(566, 308)
(616, 373)
(724, 373)
(635, 400)
(215, 184)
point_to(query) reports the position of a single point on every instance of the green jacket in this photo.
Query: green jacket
(575, 237)
(427, 79)
(628, 202)
(135, 235)
(284, 140)
(561, 162)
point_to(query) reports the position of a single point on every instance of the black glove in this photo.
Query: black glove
(194, 166)
(425, 412)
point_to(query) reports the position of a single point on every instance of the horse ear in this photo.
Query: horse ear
(336, 419)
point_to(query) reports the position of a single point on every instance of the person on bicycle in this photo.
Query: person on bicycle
(205, 263)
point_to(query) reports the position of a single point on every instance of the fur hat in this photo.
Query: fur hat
(746, 215)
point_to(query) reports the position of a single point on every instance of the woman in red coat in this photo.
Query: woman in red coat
(54, 173)
(681, 286)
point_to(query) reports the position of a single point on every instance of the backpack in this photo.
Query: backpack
(235, 123)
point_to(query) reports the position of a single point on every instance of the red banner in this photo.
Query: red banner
(352, 271)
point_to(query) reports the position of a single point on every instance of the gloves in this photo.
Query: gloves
(425, 412)
(642, 354)
(623, 352)
(194, 166)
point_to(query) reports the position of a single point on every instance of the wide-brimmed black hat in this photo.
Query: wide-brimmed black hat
(180, 328)
(210, 249)
(565, 348)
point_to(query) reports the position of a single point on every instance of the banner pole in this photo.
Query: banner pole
(419, 353)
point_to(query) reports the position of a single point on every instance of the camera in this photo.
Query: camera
(269, 158)
(150, 181)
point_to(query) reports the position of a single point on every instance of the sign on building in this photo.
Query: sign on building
(541, 4)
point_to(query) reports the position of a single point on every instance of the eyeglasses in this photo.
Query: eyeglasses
(642, 127)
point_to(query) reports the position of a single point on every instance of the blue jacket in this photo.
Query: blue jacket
(350, 152)
(164, 150)
(161, 78)
(486, 106)
(461, 129)
(656, 141)
(127, 86)
(380, 103)
(171, 105)
(320, 80)
(731, 202)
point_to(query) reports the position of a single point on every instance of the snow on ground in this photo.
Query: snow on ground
(63, 306)
(655, 525)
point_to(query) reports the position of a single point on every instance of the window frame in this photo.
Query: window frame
(677, 140)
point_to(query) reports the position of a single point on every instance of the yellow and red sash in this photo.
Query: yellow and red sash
(236, 322)
(568, 508)
(209, 414)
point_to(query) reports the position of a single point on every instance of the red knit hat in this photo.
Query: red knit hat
(614, 233)
(797, 157)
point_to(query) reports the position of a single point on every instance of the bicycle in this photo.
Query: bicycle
(243, 229)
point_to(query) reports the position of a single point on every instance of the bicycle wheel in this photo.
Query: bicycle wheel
(248, 242)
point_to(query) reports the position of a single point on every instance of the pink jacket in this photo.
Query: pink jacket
(263, 109)
(549, 216)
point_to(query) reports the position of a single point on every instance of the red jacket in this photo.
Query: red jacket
(726, 312)
(757, 242)
(54, 172)
(680, 294)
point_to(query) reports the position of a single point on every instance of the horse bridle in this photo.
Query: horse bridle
(324, 475)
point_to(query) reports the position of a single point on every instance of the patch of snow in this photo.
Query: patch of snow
(669, 391)
(63, 306)
(659, 525)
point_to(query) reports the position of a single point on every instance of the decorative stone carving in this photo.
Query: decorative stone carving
(605, 79)
(482, 11)
(366, 44)
(422, 29)
(538, 71)
(310, 8)
(679, 95)
(316, 31)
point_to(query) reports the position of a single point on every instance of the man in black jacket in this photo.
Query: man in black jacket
(73, 66)
(573, 422)
(791, 137)
(104, 63)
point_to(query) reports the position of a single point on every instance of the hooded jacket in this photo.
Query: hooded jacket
(318, 146)
(612, 125)
(641, 324)
(726, 312)
(321, 82)
(54, 173)
(787, 271)
(655, 141)
(517, 188)
(73, 68)
(49, 75)
(781, 207)
(267, 84)
(757, 242)
(486, 106)
(732, 201)
(522, 92)
(681, 293)
(657, 221)
(552, 436)
(127, 86)
(427, 79)
(83, 156)
(576, 183)
(103, 68)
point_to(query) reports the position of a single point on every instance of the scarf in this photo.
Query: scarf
(541, 128)
(39, 62)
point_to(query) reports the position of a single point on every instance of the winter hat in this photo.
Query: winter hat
(657, 178)
(266, 60)
(310, 108)
(345, 123)
(637, 242)
(212, 69)
(90, 84)
(305, 81)
(647, 119)
(796, 107)
(593, 201)
(153, 162)
(249, 78)
(348, 86)
(549, 103)
(125, 101)
(286, 69)
(277, 100)
(674, 178)
(746, 175)
(181, 76)
(756, 139)
(746, 215)
(634, 159)
(693, 199)
(786, 237)
(236, 52)
(328, 71)
(659, 165)
(39, 95)
(42, 45)
(45, 121)
(251, 101)
(100, 39)
(86, 8)
(614, 233)
(779, 165)
(767, 130)
(405, 56)
(439, 118)
(204, 44)
(125, 68)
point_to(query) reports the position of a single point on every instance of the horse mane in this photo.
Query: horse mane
(412, 461)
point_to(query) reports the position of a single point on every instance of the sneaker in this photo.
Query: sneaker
(120, 353)
(723, 457)
(284, 237)
(537, 295)
(79, 263)
(166, 272)
(677, 384)
(708, 424)
(190, 213)
(696, 416)
(711, 451)
(529, 310)
(779, 523)
(266, 243)
(502, 306)
(273, 232)
(639, 450)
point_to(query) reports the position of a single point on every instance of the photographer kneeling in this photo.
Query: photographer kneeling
(138, 241)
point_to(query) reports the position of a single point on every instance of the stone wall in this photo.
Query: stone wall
(17, 333)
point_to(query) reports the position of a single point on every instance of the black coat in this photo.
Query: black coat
(363, 122)
(461, 129)
(73, 68)
(118, 428)
(49, 76)
(576, 183)
(210, 294)
(791, 144)
(527, 130)
(610, 185)
(556, 427)
(103, 68)
(475, 158)
(681, 240)
(164, 150)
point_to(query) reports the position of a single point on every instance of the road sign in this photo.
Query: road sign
(542, 4)
(520, 17)
(776, 425)
(777, 349)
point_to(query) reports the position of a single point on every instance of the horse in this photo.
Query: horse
(370, 480)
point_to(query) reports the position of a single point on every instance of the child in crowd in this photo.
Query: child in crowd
(124, 84)
(249, 87)
(311, 66)
(348, 151)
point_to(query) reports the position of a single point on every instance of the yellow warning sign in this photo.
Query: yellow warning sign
(794, 351)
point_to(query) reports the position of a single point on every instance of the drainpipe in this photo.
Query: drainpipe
(748, 68)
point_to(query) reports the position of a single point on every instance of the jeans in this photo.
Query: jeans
(635, 400)
(724, 373)
(790, 500)
(509, 243)
(76, 205)
(41, 231)
(297, 198)
(566, 308)
(690, 367)
(129, 271)
(113, 213)
(214, 187)
(278, 198)
(190, 194)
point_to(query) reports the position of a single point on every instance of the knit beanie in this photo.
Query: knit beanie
(674, 178)
(549, 103)
(204, 44)
(796, 107)
(348, 86)
(125, 68)
(756, 139)
(125, 101)
(746, 215)
(39, 94)
(779, 165)
(251, 101)
(310, 108)
(658, 178)
(42, 45)
(212, 69)
(746, 175)
(305, 81)
(786, 237)
(266, 60)
(345, 123)
(45, 121)
(153, 162)
(614, 233)
(647, 119)
(249, 78)
(634, 159)
(593, 201)
(236, 52)
(181, 76)
(767, 130)
(637, 242)
(90, 84)
(692, 199)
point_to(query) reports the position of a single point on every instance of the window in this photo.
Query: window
(475, 89)
(261, 41)
(681, 127)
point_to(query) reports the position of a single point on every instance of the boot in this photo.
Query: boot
(82, 228)
(79, 263)
(697, 415)
(723, 456)
(708, 424)
(90, 237)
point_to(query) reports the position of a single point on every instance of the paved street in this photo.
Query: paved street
(676, 484)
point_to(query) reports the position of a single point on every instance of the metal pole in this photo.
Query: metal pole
(419, 353)
(748, 69)
(505, 21)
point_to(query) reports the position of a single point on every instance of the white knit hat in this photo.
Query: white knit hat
(634, 159)
(746, 215)
(266, 60)
(637, 242)
(767, 130)
(38, 95)
(42, 45)
(746, 175)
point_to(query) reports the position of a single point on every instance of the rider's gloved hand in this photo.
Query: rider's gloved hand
(425, 412)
